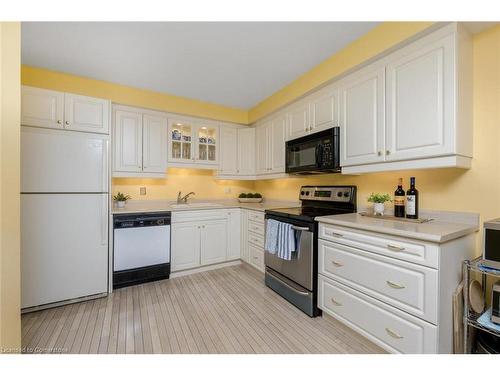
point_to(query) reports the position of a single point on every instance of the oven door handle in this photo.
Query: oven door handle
(288, 285)
(305, 229)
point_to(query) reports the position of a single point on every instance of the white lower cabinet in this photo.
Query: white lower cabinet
(395, 291)
(252, 227)
(205, 237)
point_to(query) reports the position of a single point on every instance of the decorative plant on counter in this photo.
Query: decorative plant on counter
(378, 201)
(250, 198)
(121, 199)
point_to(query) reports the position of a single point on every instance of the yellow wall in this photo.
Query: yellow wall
(202, 182)
(10, 289)
(376, 41)
(48, 79)
(473, 190)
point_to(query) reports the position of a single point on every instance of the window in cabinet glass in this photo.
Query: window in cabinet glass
(207, 139)
(181, 141)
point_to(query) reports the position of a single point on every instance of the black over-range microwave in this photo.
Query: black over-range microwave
(314, 153)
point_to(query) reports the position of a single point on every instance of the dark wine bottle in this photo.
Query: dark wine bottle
(412, 201)
(399, 200)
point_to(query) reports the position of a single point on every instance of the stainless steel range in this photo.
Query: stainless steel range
(296, 279)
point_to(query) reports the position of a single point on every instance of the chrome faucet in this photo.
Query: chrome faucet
(183, 199)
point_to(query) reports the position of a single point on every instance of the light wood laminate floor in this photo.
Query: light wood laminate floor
(228, 310)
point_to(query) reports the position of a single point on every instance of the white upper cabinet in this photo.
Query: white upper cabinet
(140, 143)
(228, 151)
(43, 108)
(154, 144)
(86, 114)
(324, 108)
(127, 140)
(277, 144)
(58, 110)
(362, 116)
(298, 119)
(262, 147)
(246, 151)
(420, 105)
(193, 142)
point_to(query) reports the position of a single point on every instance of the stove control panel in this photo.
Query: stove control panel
(328, 193)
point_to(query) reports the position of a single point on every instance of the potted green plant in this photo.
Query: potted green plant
(250, 198)
(378, 201)
(121, 199)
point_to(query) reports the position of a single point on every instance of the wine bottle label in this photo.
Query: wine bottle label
(399, 201)
(410, 204)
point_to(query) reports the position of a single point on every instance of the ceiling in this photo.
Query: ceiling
(236, 64)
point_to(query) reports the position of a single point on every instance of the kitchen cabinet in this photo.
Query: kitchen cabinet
(246, 152)
(362, 116)
(186, 246)
(228, 151)
(193, 143)
(139, 140)
(412, 108)
(270, 145)
(233, 234)
(214, 241)
(237, 152)
(59, 110)
(316, 112)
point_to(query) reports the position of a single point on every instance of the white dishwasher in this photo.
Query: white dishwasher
(141, 248)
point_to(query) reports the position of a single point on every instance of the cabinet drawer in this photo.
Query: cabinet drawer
(256, 228)
(256, 257)
(388, 327)
(256, 239)
(395, 247)
(404, 285)
(199, 215)
(256, 216)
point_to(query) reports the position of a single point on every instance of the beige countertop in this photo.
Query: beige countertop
(142, 206)
(444, 226)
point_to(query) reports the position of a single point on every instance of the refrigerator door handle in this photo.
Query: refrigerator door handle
(105, 152)
(104, 219)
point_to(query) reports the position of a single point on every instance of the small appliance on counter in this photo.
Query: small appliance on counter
(296, 279)
(491, 244)
(141, 248)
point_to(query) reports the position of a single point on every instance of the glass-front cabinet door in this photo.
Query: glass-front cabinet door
(181, 141)
(207, 143)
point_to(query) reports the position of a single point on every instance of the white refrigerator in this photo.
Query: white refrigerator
(64, 215)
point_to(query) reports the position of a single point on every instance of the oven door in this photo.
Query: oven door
(300, 268)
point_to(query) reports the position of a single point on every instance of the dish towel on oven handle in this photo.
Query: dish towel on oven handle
(272, 228)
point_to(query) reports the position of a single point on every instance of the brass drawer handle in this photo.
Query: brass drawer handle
(395, 285)
(395, 248)
(336, 303)
(337, 264)
(393, 334)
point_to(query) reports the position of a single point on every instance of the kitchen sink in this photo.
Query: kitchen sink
(195, 205)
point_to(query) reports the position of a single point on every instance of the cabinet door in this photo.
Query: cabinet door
(213, 241)
(233, 234)
(181, 141)
(362, 116)
(185, 245)
(246, 152)
(128, 142)
(154, 144)
(420, 104)
(324, 109)
(228, 151)
(206, 143)
(298, 120)
(244, 235)
(262, 148)
(86, 114)
(43, 108)
(277, 144)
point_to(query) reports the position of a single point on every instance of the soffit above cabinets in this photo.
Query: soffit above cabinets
(236, 64)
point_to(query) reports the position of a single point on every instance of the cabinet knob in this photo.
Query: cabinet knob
(66, 122)
(379, 153)
(387, 152)
(59, 121)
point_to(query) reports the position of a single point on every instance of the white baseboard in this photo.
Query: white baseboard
(204, 268)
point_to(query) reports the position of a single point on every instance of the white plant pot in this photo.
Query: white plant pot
(378, 208)
(120, 204)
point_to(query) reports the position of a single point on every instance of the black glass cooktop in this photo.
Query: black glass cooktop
(305, 213)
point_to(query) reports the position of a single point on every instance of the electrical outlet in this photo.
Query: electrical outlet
(227, 190)
(143, 190)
